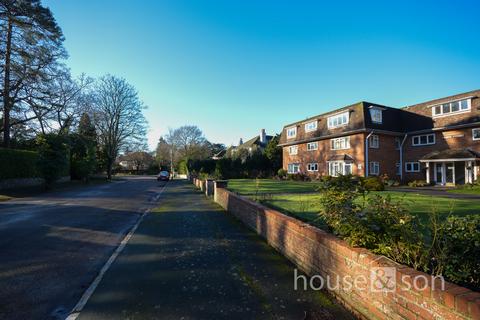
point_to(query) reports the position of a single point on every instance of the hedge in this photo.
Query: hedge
(18, 164)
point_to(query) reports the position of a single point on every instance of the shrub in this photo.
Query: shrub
(373, 184)
(456, 250)
(298, 177)
(282, 173)
(53, 157)
(391, 183)
(18, 164)
(418, 183)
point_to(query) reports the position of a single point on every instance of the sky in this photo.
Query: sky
(234, 67)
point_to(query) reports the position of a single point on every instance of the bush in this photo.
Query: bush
(456, 252)
(17, 164)
(418, 183)
(450, 247)
(282, 173)
(373, 184)
(52, 157)
(298, 177)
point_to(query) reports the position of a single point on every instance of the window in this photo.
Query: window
(292, 132)
(311, 126)
(398, 169)
(312, 167)
(451, 107)
(293, 168)
(340, 143)
(376, 115)
(412, 166)
(338, 120)
(423, 140)
(312, 146)
(374, 168)
(374, 141)
(476, 134)
(336, 168)
(293, 150)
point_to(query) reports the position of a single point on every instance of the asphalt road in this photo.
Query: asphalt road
(52, 246)
(190, 260)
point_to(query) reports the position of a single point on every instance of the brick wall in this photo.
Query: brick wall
(319, 253)
(324, 153)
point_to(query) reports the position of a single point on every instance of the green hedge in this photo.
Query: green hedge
(18, 164)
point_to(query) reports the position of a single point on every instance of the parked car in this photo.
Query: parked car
(163, 176)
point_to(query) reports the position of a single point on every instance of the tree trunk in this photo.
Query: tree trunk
(109, 169)
(6, 88)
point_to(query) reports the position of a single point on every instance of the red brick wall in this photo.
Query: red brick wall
(324, 153)
(386, 155)
(317, 252)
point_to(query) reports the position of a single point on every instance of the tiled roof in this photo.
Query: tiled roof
(452, 154)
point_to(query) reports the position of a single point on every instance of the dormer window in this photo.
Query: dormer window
(452, 107)
(338, 120)
(311, 126)
(291, 132)
(376, 115)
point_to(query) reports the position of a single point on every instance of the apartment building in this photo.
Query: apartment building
(437, 141)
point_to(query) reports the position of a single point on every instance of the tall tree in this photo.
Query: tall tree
(31, 44)
(118, 117)
(188, 142)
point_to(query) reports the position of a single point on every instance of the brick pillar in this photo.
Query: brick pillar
(209, 187)
(219, 184)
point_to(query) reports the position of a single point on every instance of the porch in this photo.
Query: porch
(451, 167)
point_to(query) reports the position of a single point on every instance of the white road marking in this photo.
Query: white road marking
(73, 315)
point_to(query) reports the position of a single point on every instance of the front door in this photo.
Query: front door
(449, 173)
(445, 173)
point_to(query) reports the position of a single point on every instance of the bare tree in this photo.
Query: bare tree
(118, 117)
(188, 142)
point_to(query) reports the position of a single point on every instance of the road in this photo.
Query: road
(190, 260)
(52, 246)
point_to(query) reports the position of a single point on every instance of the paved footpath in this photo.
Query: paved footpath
(191, 260)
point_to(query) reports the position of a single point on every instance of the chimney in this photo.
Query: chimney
(263, 136)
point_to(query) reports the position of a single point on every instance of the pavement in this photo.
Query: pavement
(189, 259)
(53, 245)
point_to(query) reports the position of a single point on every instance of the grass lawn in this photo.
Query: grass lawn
(4, 198)
(466, 190)
(249, 186)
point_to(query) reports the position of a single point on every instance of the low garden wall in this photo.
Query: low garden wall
(390, 291)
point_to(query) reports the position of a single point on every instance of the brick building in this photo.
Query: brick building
(437, 141)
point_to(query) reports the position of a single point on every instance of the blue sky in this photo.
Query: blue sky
(234, 67)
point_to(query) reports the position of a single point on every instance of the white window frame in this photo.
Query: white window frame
(345, 142)
(410, 166)
(419, 137)
(374, 141)
(293, 150)
(311, 126)
(312, 146)
(291, 168)
(436, 114)
(473, 134)
(374, 168)
(338, 120)
(339, 168)
(376, 115)
(291, 135)
(314, 165)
